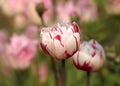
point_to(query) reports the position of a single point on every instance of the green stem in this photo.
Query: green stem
(63, 73)
(56, 73)
(88, 78)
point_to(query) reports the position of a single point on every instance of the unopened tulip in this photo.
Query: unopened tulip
(60, 41)
(89, 57)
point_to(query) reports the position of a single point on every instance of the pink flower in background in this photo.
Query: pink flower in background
(60, 41)
(89, 57)
(43, 70)
(65, 12)
(88, 14)
(113, 6)
(32, 32)
(12, 7)
(20, 52)
(88, 10)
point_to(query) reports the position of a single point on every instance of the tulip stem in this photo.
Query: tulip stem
(88, 78)
(63, 73)
(56, 73)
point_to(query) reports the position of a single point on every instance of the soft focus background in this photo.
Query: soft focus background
(23, 63)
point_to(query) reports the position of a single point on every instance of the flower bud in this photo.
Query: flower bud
(89, 57)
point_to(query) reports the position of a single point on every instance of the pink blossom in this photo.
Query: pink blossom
(43, 72)
(88, 10)
(60, 41)
(20, 52)
(11, 7)
(89, 57)
(113, 6)
(65, 12)
(32, 31)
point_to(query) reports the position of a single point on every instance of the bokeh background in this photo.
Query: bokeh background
(21, 21)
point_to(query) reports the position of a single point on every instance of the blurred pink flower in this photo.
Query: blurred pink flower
(32, 32)
(60, 41)
(89, 57)
(12, 7)
(113, 6)
(43, 70)
(88, 10)
(20, 52)
(68, 10)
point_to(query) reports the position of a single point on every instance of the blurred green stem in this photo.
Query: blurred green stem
(56, 73)
(63, 73)
(88, 78)
(102, 78)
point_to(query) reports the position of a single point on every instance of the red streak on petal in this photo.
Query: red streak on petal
(94, 47)
(76, 28)
(50, 35)
(60, 30)
(44, 47)
(58, 37)
(94, 42)
(77, 46)
(86, 66)
(67, 54)
(94, 53)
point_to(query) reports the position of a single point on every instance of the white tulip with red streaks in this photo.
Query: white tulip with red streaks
(89, 57)
(60, 41)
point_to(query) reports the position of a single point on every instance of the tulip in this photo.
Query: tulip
(89, 57)
(60, 41)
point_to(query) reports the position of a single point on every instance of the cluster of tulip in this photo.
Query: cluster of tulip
(62, 41)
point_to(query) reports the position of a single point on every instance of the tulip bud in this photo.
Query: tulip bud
(89, 57)
(60, 41)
